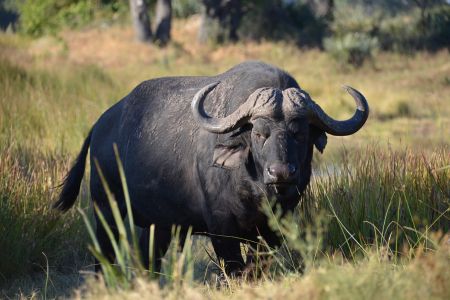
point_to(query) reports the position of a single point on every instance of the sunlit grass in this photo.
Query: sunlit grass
(383, 198)
(31, 234)
(424, 277)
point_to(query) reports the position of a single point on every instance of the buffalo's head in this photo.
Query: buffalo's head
(284, 126)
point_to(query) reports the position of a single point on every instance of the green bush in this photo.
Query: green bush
(276, 20)
(358, 31)
(185, 8)
(437, 31)
(408, 32)
(48, 16)
(354, 35)
(400, 33)
(352, 48)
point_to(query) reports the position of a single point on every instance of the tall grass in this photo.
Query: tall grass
(128, 265)
(49, 110)
(405, 202)
(328, 275)
(384, 198)
(30, 232)
(425, 277)
(43, 116)
(374, 203)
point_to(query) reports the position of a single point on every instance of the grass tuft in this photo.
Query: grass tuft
(384, 198)
(31, 234)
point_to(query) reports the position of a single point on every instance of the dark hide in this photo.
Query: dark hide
(178, 173)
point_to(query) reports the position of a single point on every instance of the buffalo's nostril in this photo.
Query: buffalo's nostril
(275, 172)
(281, 171)
(271, 171)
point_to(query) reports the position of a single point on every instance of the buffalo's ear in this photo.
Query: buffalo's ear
(321, 142)
(230, 157)
(319, 138)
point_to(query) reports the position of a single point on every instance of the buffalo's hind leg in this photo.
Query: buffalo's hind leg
(99, 197)
(161, 238)
(102, 236)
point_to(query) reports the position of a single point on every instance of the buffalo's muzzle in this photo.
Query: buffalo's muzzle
(279, 172)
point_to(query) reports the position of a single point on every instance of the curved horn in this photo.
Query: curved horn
(341, 128)
(217, 125)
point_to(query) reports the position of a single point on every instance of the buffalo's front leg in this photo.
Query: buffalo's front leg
(259, 257)
(229, 250)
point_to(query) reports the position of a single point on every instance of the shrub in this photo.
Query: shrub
(289, 20)
(403, 109)
(400, 33)
(352, 48)
(437, 31)
(353, 39)
(408, 32)
(48, 16)
(185, 8)
(357, 32)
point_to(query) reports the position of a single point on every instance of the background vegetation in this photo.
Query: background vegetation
(350, 30)
(375, 220)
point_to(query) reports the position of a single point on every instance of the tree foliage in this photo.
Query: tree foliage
(48, 16)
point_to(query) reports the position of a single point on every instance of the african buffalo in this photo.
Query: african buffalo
(205, 152)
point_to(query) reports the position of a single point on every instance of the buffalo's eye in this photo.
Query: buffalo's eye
(259, 135)
(298, 131)
(300, 137)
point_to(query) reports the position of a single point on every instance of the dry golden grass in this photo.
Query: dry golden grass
(425, 277)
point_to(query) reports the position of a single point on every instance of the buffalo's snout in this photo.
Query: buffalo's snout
(279, 172)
